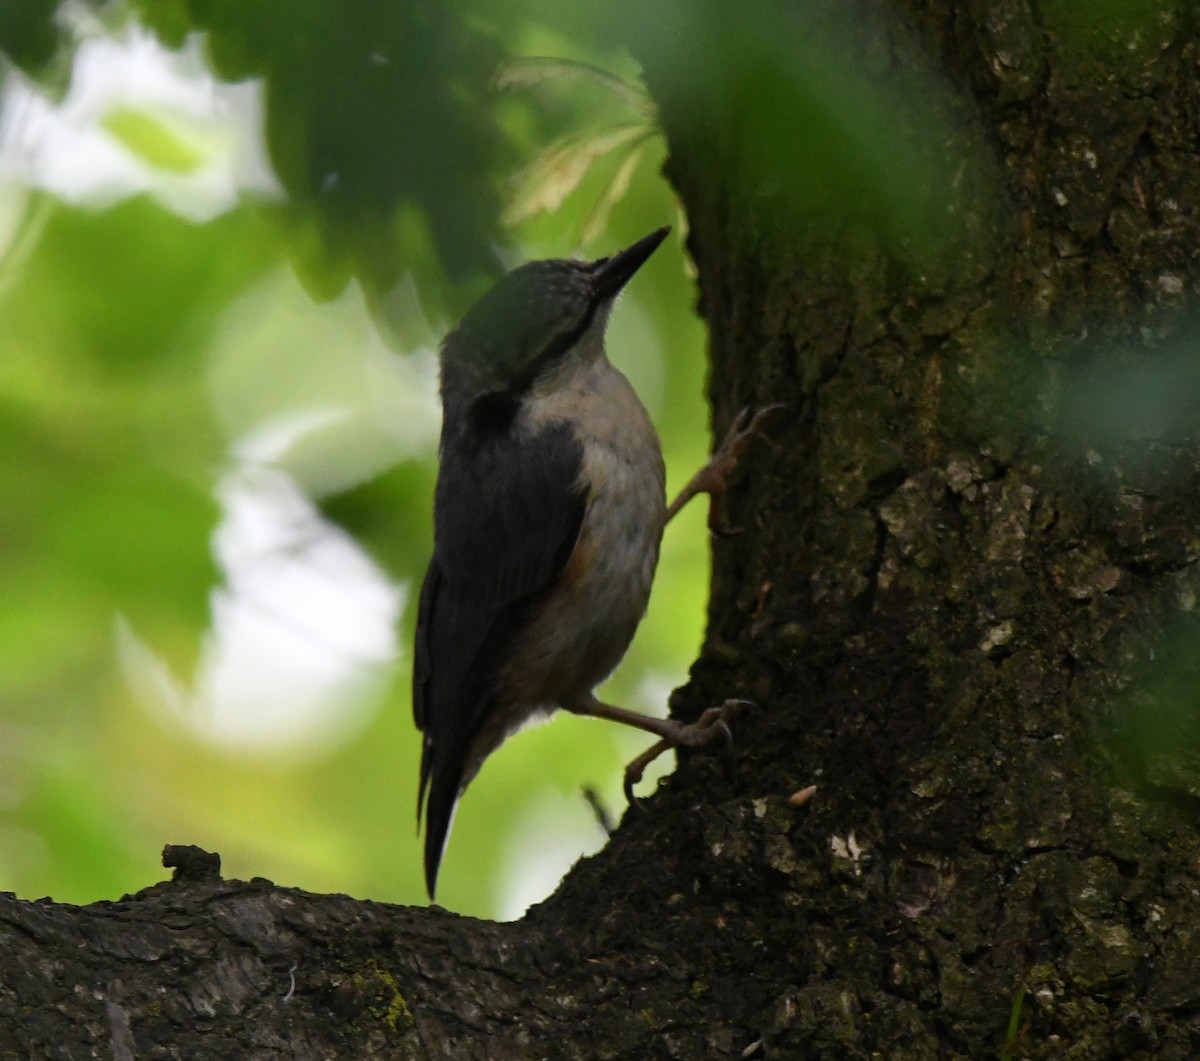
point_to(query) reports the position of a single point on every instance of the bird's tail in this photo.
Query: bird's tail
(441, 785)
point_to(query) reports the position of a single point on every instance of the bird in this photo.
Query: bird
(548, 514)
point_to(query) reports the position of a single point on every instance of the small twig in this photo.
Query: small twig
(599, 809)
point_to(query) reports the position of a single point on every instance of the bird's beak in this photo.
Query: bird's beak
(609, 275)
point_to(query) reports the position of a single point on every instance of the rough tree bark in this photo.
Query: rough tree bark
(940, 606)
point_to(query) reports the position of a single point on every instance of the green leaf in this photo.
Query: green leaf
(596, 221)
(561, 166)
(160, 141)
(527, 72)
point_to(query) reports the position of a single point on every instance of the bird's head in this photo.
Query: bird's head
(539, 316)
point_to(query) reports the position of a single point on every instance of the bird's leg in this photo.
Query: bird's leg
(671, 732)
(714, 723)
(712, 478)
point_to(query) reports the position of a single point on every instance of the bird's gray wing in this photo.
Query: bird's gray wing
(507, 514)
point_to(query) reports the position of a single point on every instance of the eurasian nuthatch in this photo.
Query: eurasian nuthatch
(548, 514)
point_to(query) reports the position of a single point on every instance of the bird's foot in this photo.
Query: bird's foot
(710, 726)
(713, 478)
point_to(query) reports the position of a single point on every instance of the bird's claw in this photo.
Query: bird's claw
(745, 426)
(713, 723)
(636, 768)
(724, 461)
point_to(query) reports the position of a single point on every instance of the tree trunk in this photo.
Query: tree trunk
(960, 603)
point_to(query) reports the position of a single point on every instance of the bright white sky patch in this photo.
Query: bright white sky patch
(304, 627)
(278, 355)
(552, 834)
(303, 630)
(64, 147)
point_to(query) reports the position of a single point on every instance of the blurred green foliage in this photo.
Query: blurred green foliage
(371, 106)
(228, 420)
(155, 369)
(29, 33)
(154, 139)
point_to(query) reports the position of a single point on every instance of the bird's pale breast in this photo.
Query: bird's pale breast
(590, 617)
